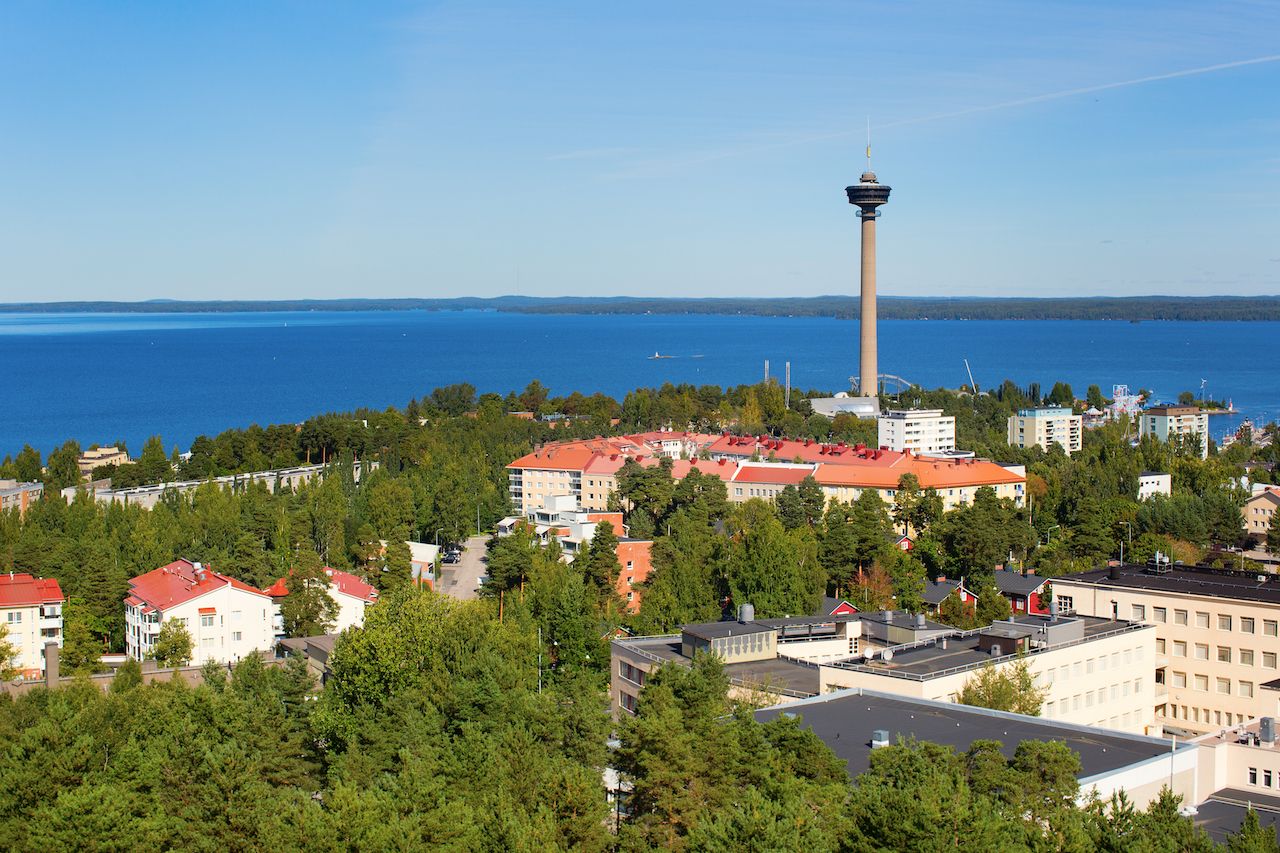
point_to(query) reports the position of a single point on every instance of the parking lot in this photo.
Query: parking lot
(462, 579)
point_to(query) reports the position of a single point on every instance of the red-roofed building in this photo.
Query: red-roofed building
(228, 619)
(31, 612)
(350, 593)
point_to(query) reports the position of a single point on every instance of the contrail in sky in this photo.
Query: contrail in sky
(1086, 90)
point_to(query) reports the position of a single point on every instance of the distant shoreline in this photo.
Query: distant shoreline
(1132, 308)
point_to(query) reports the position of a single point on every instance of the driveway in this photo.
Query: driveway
(463, 578)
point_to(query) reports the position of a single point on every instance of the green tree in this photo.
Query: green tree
(308, 609)
(62, 468)
(173, 647)
(1094, 397)
(1253, 837)
(992, 606)
(1009, 687)
(1273, 533)
(81, 653)
(599, 563)
(774, 569)
(7, 655)
(397, 563)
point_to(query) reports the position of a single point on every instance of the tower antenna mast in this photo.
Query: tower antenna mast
(868, 143)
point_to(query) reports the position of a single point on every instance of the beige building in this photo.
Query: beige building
(100, 456)
(1169, 422)
(1217, 637)
(917, 430)
(31, 613)
(19, 496)
(1259, 511)
(1045, 427)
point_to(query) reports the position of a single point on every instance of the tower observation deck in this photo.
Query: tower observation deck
(868, 194)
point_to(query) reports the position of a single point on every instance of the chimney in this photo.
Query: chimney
(942, 578)
(1114, 574)
(51, 664)
(920, 622)
(888, 615)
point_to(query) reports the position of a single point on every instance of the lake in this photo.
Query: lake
(104, 377)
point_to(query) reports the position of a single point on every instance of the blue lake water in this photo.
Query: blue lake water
(103, 377)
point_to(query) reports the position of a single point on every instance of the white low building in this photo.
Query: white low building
(1152, 483)
(917, 430)
(226, 618)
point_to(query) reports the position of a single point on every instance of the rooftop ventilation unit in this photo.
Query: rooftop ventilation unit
(879, 738)
(1267, 730)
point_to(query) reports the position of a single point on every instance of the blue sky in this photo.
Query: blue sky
(272, 150)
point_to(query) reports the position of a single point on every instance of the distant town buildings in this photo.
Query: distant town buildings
(920, 431)
(148, 496)
(31, 611)
(19, 496)
(226, 618)
(1186, 423)
(1152, 483)
(98, 457)
(351, 594)
(1046, 426)
(750, 466)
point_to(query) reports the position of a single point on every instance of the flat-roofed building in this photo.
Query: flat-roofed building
(1259, 512)
(31, 612)
(1185, 423)
(917, 430)
(98, 457)
(18, 496)
(1046, 426)
(1217, 636)
(1152, 483)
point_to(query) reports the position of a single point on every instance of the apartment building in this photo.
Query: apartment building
(18, 496)
(148, 496)
(1152, 483)
(955, 480)
(226, 618)
(1169, 422)
(1217, 637)
(97, 457)
(1095, 671)
(31, 612)
(350, 593)
(918, 430)
(1259, 511)
(1045, 427)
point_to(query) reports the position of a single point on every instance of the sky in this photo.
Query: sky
(256, 150)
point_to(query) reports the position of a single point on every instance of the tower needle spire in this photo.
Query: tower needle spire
(868, 143)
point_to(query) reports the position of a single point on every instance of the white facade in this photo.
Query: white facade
(1045, 427)
(917, 430)
(29, 623)
(1166, 422)
(1151, 483)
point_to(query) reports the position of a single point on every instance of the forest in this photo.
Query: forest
(484, 724)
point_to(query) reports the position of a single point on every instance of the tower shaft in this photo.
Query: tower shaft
(868, 346)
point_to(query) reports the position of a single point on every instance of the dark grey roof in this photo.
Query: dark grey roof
(845, 720)
(797, 678)
(1188, 580)
(715, 630)
(902, 619)
(1016, 583)
(1224, 812)
(936, 591)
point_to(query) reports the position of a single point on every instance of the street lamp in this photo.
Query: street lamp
(438, 529)
(1048, 534)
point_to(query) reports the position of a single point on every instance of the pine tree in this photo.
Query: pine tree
(308, 609)
(173, 646)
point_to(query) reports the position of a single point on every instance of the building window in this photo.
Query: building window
(1224, 622)
(1245, 689)
(1202, 620)
(1253, 775)
(1160, 649)
(1179, 648)
(1246, 657)
(236, 636)
(1269, 660)
(206, 621)
(1159, 613)
(1202, 651)
(627, 701)
(1066, 602)
(1224, 654)
(1224, 686)
(1266, 778)
(1179, 617)
(1202, 683)
(1269, 627)
(1246, 624)
(1179, 679)
(1139, 612)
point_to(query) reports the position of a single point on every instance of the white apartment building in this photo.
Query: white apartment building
(1217, 637)
(350, 593)
(1044, 427)
(917, 430)
(1167, 422)
(1259, 511)
(1152, 483)
(226, 618)
(31, 612)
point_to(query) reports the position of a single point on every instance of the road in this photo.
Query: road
(461, 579)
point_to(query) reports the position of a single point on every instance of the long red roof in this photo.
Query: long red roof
(179, 582)
(28, 591)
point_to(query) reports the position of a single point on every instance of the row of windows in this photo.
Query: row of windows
(1266, 777)
(631, 673)
(1224, 621)
(1222, 654)
(1089, 698)
(1090, 665)
(1199, 715)
(1221, 685)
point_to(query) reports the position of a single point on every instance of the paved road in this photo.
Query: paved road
(462, 579)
